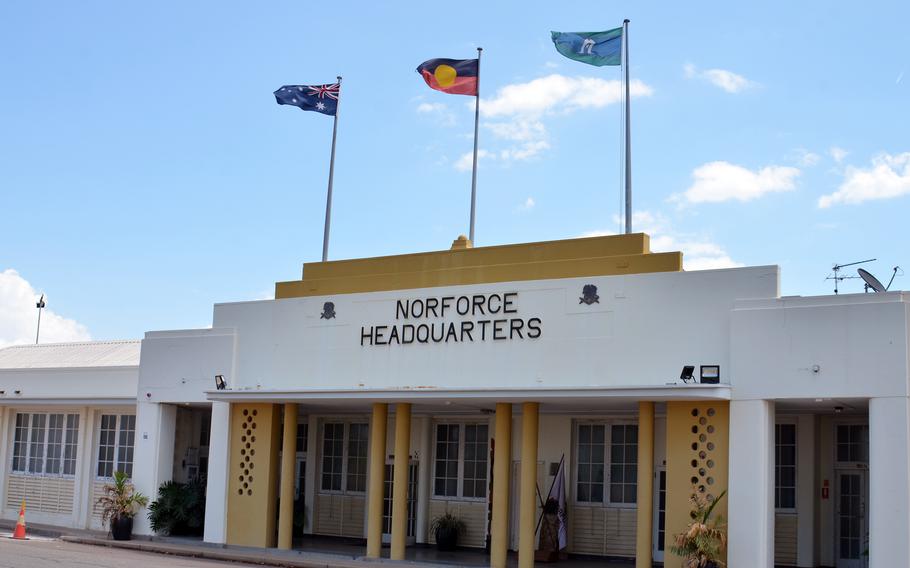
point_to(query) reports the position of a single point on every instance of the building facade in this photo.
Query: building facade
(374, 395)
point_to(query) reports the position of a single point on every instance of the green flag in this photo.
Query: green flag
(593, 48)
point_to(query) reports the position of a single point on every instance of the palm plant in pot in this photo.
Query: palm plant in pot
(446, 528)
(703, 542)
(119, 505)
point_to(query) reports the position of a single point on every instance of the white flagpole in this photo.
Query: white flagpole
(476, 124)
(328, 198)
(625, 64)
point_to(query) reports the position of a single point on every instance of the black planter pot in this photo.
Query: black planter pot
(711, 564)
(446, 539)
(122, 528)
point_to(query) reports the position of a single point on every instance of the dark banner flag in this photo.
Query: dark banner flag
(320, 98)
(453, 76)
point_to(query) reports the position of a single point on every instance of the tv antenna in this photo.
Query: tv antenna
(838, 267)
(873, 282)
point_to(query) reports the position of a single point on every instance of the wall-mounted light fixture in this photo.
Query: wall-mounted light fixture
(710, 374)
(687, 373)
(219, 382)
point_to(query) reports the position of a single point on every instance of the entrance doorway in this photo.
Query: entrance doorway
(387, 502)
(660, 514)
(851, 522)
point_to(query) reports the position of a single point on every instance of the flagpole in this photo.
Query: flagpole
(476, 125)
(625, 64)
(328, 198)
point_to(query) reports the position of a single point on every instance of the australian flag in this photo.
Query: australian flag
(321, 98)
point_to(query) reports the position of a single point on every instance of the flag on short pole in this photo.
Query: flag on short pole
(593, 48)
(558, 492)
(319, 98)
(453, 76)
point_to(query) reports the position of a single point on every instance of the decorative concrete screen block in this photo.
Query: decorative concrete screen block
(253, 481)
(697, 459)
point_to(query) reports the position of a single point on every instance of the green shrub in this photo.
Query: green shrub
(179, 509)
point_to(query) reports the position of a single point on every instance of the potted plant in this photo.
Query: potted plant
(446, 528)
(119, 505)
(704, 540)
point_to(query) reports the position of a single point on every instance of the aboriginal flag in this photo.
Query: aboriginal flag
(454, 76)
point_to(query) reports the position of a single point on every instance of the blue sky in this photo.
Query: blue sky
(146, 171)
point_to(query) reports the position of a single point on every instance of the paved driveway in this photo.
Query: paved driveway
(46, 553)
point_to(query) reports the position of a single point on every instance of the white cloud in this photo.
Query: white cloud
(516, 115)
(805, 158)
(727, 80)
(19, 317)
(888, 177)
(528, 204)
(699, 253)
(439, 111)
(722, 181)
(466, 162)
(558, 94)
(838, 154)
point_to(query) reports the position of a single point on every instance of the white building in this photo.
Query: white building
(472, 372)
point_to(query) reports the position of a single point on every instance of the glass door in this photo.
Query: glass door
(851, 519)
(660, 514)
(387, 502)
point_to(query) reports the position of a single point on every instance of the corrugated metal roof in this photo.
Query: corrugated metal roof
(123, 353)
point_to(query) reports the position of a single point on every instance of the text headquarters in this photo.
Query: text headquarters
(491, 320)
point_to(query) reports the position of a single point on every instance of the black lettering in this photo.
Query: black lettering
(466, 328)
(405, 339)
(515, 326)
(498, 331)
(414, 312)
(446, 301)
(426, 333)
(366, 335)
(442, 332)
(401, 309)
(431, 306)
(451, 333)
(483, 329)
(477, 302)
(533, 328)
(380, 330)
(507, 303)
(490, 303)
(394, 335)
(467, 305)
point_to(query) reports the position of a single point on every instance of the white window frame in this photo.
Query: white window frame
(459, 496)
(608, 424)
(345, 445)
(45, 443)
(116, 464)
(788, 510)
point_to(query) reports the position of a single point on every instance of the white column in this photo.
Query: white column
(154, 453)
(751, 490)
(313, 455)
(217, 481)
(87, 456)
(889, 482)
(424, 424)
(5, 416)
(806, 493)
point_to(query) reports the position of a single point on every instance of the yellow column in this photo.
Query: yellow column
(528, 489)
(377, 479)
(499, 526)
(645, 484)
(400, 480)
(286, 497)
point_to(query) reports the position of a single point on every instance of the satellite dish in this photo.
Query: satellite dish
(871, 281)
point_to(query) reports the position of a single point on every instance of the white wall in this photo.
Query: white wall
(675, 318)
(179, 366)
(859, 342)
(85, 384)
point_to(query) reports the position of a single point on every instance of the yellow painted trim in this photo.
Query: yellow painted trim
(502, 456)
(594, 256)
(681, 456)
(253, 470)
(528, 498)
(378, 428)
(288, 465)
(643, 539)
(400, 480)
